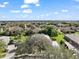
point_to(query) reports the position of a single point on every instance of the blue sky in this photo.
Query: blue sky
(39, 9)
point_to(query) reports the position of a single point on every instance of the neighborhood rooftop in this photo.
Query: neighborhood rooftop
(73, 37)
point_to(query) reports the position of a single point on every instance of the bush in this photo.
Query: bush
(61, 53)
(19, 38)
(36, 44)
(54, 53)
(2, 48)
(29, 32)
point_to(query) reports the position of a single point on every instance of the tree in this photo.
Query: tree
(29, 32)
(49, 31)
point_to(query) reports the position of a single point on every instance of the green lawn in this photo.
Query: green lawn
(59, 38)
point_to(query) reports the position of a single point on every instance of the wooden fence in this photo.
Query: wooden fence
(34, 56)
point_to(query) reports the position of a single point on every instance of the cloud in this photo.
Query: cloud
(61, 11)
(25, 15)
(31, 1)
(15, 11)
(64, 10)
(27, 11)
(37, 4)
(56, 12)
(23, 11)
(3, 5)
(42, 15)
(48, 14)
(76, 6)
(25, 6)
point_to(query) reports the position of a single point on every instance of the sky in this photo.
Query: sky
(39, 10)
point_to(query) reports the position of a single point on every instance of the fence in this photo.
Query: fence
(34, 56)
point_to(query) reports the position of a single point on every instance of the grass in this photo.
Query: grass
(2, 49)
(59, 38)
(77, 33)
(20, 38)
(2, 55)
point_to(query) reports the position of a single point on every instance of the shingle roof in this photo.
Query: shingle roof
(73, 37)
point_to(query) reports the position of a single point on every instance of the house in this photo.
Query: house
(73, 39)
(77, 29)
(15, 28)
(67, 30)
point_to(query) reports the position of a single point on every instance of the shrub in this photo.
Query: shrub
(2, 48)
(36, 44)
